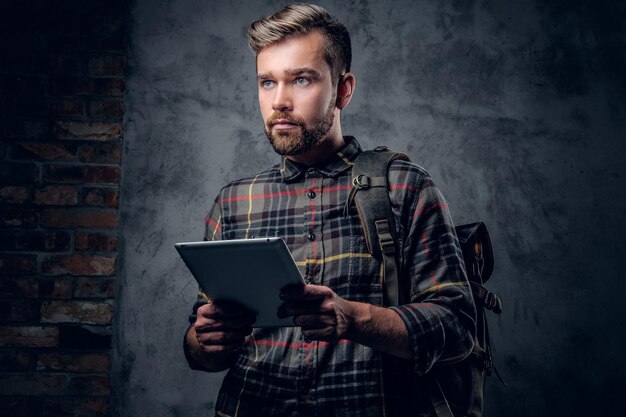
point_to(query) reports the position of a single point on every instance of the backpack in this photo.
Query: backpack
(455, 390)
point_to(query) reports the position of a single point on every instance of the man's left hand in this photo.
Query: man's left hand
(321, 313)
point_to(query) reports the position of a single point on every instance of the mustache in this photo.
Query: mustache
(285, 116)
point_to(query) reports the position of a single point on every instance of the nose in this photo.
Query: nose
(282, 99)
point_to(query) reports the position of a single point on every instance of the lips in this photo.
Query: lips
(283, 124)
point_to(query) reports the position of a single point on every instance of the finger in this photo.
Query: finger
(223, 337)
(305, 292)
(221, 323)
(314, 321)
(326, 334)
(290, 308)
(221, 348)
(223, 309)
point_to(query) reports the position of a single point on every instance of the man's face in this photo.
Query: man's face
(296, 93)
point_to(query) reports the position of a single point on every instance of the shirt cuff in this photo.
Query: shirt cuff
(425, 333)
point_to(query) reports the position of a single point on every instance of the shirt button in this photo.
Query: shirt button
(310, 171)
(311, 237)
(311, 194)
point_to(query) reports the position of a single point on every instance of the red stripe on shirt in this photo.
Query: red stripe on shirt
(404, 187)
(212, 223)
(293, 345)
(421, 210)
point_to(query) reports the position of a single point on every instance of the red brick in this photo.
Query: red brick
(25, 218)
(102, 175)
(101, 152)
(98, 131)
(102, 197)
(96, 241)
(106, 109)
(19, 173)
(18, 311)
(66, 107)
(57, 195)
(17, 264)
(107, 65)
(45, 151)
(82, 174)
(94, 288)
(84, 312)
(29, 336)
(14, 360)
(14, 288)
(87, 85)
(73, 218)
(33, 384)
(34, 241)
(64, 173)
(74, 362)
(55, 288)
(14, 194)
(90, 265)
(90, 385)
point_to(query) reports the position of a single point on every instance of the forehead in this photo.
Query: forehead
(294, 52)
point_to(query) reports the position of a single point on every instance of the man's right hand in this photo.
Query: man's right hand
(222, 326)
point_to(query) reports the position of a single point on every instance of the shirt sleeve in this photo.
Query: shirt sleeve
(440, 316)
(212, 231)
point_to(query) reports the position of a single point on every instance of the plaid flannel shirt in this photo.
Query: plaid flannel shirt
(279, 373)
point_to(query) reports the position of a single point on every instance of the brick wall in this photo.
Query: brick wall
(62, 98)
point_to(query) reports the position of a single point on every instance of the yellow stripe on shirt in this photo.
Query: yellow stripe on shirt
(332, 258)
(250, 205)
(438, 287)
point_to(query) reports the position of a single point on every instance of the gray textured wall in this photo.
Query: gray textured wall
(517, 108)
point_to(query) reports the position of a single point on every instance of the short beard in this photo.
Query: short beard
(293, 142)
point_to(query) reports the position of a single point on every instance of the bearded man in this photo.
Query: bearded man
(348, 355)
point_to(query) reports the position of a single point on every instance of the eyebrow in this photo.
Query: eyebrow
(296, 71)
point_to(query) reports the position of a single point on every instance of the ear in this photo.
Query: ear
(345, 89)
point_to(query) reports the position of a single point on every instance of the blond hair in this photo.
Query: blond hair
(301, 19)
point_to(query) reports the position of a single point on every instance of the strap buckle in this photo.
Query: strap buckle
(361, 182)
(385, 240)
(387, 246)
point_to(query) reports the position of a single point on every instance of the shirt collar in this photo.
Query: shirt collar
(334, 166)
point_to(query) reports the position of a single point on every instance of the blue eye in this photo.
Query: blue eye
(302, 81)
(267, 84)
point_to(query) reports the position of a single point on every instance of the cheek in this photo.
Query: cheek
(318, 103)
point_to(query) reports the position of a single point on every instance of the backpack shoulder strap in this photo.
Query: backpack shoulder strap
(370, 195)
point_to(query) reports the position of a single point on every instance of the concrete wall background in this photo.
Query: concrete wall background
(517, 108)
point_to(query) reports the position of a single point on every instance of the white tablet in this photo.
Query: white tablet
(248, 271)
